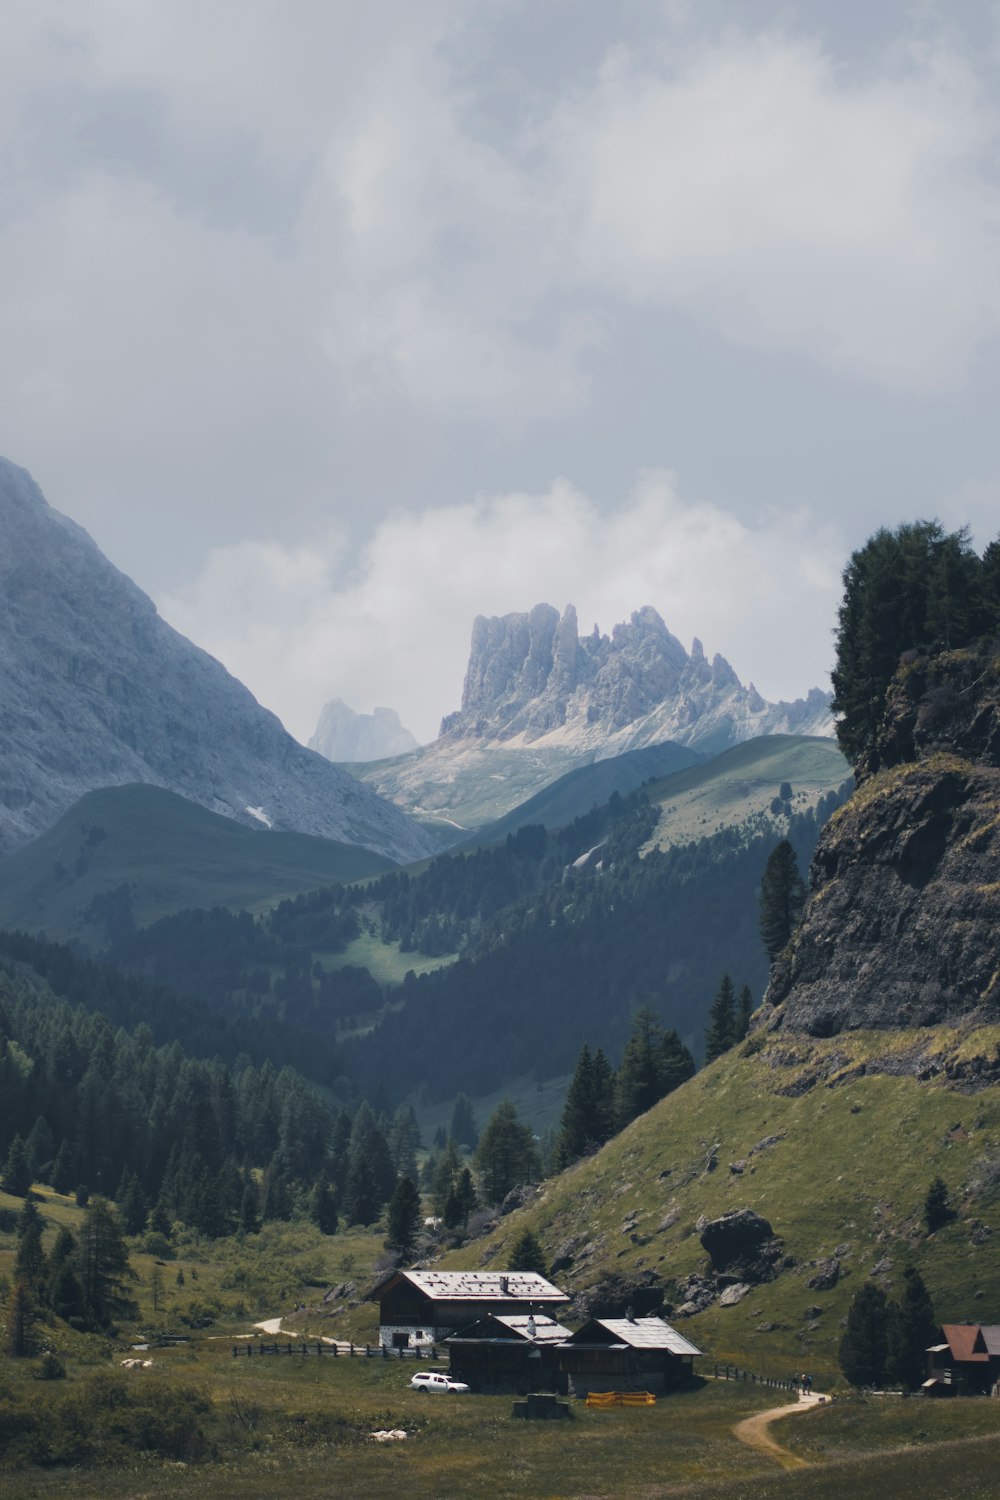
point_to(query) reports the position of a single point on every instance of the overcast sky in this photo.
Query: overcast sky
(338, 324)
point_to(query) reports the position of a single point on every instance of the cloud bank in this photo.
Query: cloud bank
(301, 625)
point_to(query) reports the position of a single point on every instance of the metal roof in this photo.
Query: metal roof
(647, 1333)
(546, 1330)
(991, 1338)
(484, 1286)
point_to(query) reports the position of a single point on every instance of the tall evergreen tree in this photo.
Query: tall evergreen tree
(639, 1080)
(29, 1261)
(103, 1266)
(461, 1201)
(16, 1178)
(464, 1129)
(20, 1322)
(506, 1156)
(527, 1254)
(588, 1113)
(404, 1219)
(323, 1207)
(744, 1010)
(864, 1348)
(936, 1209)
(912, 1331)
(446, 1174)
(720, 1034)
(782, 893)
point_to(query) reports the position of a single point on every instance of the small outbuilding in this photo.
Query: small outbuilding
(426, 1307)
(627, 1354)
(508, 1353)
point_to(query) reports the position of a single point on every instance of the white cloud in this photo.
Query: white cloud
(794, 206)
(299, 628)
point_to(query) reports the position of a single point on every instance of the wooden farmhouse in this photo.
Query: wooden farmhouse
(424, 1307)
(627, 1354)
(965, 1362)
(508, 1353)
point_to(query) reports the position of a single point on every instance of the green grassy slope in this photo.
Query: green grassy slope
(574, 794)
(738, 786)
(847, 1176)
(171, 853)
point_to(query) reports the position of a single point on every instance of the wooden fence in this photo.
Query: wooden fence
(733, 1372)
(304, 1349)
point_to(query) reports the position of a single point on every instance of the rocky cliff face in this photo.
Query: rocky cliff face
(902, 924)
(532, 678)
(343, 735)
(96, 690)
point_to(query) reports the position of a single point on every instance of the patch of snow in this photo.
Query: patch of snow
(260, 815)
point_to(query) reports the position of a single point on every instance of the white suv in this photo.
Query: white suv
(429, 1380)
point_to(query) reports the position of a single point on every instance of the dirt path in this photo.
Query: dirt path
(756, 1434)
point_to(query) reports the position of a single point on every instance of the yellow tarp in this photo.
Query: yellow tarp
(604, 1399)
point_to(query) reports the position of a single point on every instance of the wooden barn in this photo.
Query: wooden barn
(425, 1307)
(508, 1353)
(627, 1354)
(965, 1362)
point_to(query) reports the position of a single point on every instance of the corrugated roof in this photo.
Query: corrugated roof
(647, 1333)
(991, 1338)
(485, 1286)
(961, 1340)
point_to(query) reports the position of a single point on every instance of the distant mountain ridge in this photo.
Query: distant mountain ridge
(343, 735)
(97, 690)
(540, 701)
(531, 676)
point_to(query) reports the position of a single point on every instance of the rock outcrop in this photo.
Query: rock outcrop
(902, 923)
(343, 735)
(96, 690)
(531, 677)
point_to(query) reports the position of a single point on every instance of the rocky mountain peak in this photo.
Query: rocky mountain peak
(97, 690)
(343, 735)
(531, 676)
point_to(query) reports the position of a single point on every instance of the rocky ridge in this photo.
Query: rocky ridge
(531, 677)
(97, 690)
(900, 926)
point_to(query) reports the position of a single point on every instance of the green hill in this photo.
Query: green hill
(573, 795)
(835, 1143)
(738, 787)
(170, 854)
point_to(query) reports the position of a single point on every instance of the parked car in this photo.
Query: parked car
(430, 1380)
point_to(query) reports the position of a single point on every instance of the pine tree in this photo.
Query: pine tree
(864, 1348)
(445, 1177)
(676, 1062)
(781, 896)
(103, 1266)
(582, 1126)
(936, 1209)
(29, 1262)
(506, 1156)
(20, 1322)
(720, 1034)
(913, 1329)
(744, 1010)
(362, 1203)
(404, 1219)
(639, 1080)
(461, 1201)
(16, 1178)
(527, 1254)
(464, 1129)
(323, 1207)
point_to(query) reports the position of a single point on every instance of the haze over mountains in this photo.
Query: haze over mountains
(344, 735)
(97, 690)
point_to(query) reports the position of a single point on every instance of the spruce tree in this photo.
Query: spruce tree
(29, 1261)
(864, 1348)
(639, 1080)
(744, 1010)
(936, 1209)
(781, 896)
(584, 1123)
(404, 1219)
(103, 1266)
(20, 1322)
(461, 1201)
(506, 1156)
(323, 1207)
(913, 1329)
(720, 1034)
(16, 1178)
(527, 1254)
(445, 1177)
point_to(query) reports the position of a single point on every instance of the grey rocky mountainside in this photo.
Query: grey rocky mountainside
(539, 701)
(532, 677)
(344, 735)
(97, 690)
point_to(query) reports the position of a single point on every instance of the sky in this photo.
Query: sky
(338, 325)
